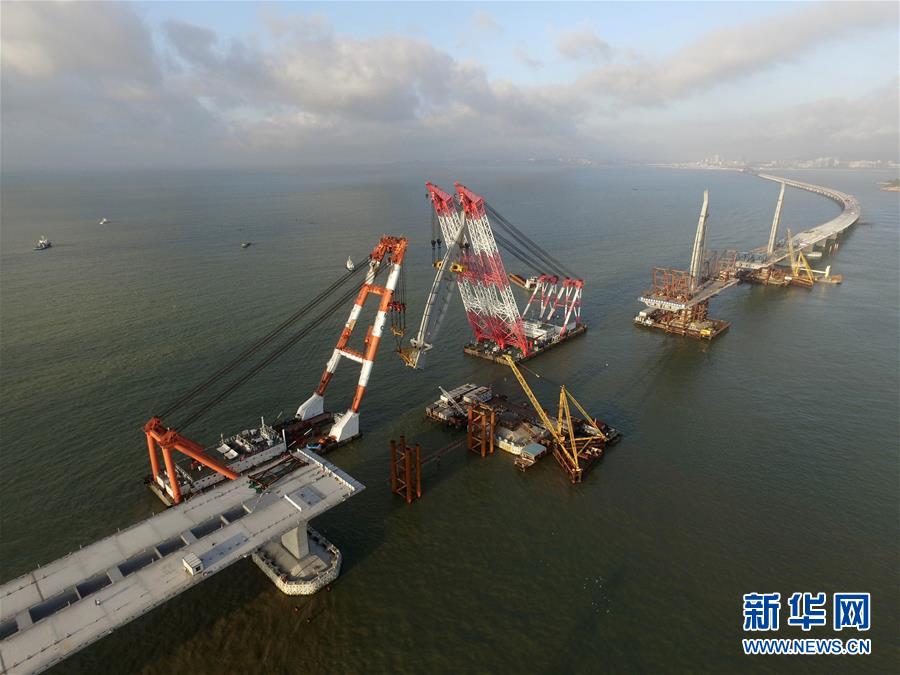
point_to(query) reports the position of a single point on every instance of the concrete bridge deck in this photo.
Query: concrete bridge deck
(59, 608)
(815, 236)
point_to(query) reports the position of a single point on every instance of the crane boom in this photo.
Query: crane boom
(800, 269)
(388, 253)
(437, 303)
(564, 414)
(587, 416)
(552, 428)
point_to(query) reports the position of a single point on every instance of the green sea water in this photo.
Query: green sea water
(765, 461)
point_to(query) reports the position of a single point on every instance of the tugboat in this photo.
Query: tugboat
(42, 244)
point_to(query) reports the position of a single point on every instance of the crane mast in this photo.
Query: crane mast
(389, 252)
(498, 308)
(572, 452)
(548, 423)
(473, 264)
(445, 280)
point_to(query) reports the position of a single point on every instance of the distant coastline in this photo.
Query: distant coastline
(718, 163)
(700, 167)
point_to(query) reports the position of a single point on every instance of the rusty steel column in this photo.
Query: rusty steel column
(173, 479)
(418, 472)
(154, 460)
(408, 467)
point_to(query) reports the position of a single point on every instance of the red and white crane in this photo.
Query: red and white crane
(473, 264)
(389, 252)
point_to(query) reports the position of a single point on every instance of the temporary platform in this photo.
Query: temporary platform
(678, 300)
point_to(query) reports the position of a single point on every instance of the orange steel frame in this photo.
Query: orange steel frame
(671, 284)
(393, 248)
(403, 465)
(168, 440)
(480, 430)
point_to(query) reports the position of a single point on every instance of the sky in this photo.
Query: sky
(212, 84)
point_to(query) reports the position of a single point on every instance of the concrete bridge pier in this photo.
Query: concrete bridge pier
(300, 562)
(296, 541)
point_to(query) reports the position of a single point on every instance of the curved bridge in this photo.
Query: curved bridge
(682, 296)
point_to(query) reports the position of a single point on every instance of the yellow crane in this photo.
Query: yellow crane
(570, 451)
(801, 272)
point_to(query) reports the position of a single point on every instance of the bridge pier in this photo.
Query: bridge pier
(300, 562)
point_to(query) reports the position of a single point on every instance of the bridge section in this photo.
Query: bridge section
(678, 301)
(818, 236)
(56, 610)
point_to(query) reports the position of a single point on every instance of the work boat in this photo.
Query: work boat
(42, 244)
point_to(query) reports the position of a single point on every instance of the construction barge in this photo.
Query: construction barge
(544, 339)
(678, 323)
(516, 429)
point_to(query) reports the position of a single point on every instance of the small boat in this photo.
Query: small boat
(350, 265)
(814, 255)
(245, 244)
(104, 221)
(42, 244)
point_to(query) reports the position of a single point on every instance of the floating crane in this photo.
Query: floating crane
(312, 422)
(574, 453)
(472, 263)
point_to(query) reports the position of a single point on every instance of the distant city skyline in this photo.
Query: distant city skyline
(281, 84)
(720, 161)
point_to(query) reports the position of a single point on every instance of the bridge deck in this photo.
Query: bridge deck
(66, 605)
(807, 239)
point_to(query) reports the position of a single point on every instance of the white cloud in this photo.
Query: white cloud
(484, 21)
(522, 57)
(729, 54)
(584, 44)
(309, 93)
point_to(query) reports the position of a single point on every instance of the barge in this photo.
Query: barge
(677, 323)
(250, 450)
(544, 337)
(517, 429)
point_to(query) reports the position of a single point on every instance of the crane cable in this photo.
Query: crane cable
(522, 256)
(526, 242)
(294, 339)
(262, 342)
